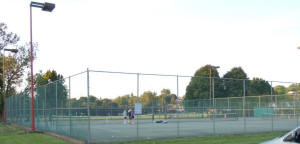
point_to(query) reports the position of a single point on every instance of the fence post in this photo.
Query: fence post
(258, 101)
(297, 99)
(213, 95)
(88, 106)
(7, 110)
(228, 103)
(56, 106)
(294, 97)
(24, 107)
(152, 102)
(177, 93)
(272, 106)
(244, 101)
(137, 93)
(36, 109)
(70, 122)
(45, 107)
(272, 92)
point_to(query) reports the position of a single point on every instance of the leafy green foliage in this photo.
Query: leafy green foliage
(258, 86)
(50, 90)
(15, 64)
(293, 88)
(231, 85)
(234, 88)
(280, 90)
(147, 98)
(200, 85)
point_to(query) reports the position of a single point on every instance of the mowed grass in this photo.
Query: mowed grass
(13, 135)
(233, 139)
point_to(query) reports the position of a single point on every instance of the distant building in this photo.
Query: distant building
(291, 93)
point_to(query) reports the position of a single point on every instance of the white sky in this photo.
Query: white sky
(163, 36)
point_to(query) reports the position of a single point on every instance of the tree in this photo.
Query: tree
(122, 101)
(258, 86)
(15, 65)
(93, 101)
(165, 97)
(234, 87)
(126, 100)
(293, 88)
(280, 90)
(108, 103)
(82, 101)
(132, 100)
(147, 98)
(173, 98)
(199, 86)
(7, 38)
(50, 89)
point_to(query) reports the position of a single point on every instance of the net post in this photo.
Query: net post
(244, 101)
(88, 105)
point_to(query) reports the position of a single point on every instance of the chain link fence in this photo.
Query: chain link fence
(91, 106)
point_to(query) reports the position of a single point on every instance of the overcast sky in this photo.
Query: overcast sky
(163, 36)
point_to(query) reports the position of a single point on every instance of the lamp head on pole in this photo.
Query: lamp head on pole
(212, 67)
(44, 6)
(12, 50)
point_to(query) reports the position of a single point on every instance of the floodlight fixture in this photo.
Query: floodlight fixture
(44, 6)
(12, 50)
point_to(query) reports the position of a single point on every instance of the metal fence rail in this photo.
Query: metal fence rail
(68, 107)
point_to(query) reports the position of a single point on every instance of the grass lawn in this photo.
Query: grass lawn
(233, 139)
(13, 135)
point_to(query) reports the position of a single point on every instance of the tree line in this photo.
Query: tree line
(232, 84)
(147, 99)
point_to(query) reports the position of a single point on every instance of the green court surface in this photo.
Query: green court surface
(114, 130)
(13, 135)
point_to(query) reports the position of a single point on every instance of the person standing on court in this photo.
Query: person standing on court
(129, 116)
(132, 117)
(125, 116)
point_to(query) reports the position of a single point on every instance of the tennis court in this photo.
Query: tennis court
(71, 108)
(112, 130)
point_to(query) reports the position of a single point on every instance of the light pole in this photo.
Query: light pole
(3, 77)
(210, 81)
(45, 7)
